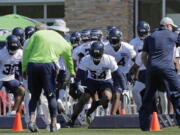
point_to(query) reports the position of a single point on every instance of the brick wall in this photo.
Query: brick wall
(81, 14)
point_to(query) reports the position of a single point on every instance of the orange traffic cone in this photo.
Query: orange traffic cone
(155, 126)
(122, 111)
(17, 126)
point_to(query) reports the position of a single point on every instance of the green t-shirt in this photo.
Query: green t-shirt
(47, 46)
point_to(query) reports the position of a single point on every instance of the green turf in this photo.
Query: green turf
(86, 131)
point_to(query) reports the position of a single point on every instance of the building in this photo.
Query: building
(81, 14)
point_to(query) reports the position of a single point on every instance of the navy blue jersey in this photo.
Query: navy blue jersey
(160, 47)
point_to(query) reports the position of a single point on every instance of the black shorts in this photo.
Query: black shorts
(94, 86)
(11, 86)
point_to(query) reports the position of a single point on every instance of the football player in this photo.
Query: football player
(101, 68)
(75, 39)
(96, 34)
(83, 49)
(10, 56)
(29, 30)
(123, 54)
(143, 29)
(19, 32)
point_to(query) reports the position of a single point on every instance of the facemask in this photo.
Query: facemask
(12, 52)
(96, 60)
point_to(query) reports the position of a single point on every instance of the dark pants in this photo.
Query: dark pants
(171, 83)
(11, 86)
(42, 76)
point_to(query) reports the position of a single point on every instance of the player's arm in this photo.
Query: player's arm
(67, 56)
(119, 78)
(75, 57)
(117, 75)
(132, 52)
(144, 56)
(80, 80)
(82, 72)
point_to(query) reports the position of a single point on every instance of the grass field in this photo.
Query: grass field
(86, 131)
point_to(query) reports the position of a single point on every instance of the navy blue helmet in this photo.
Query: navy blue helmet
(115, 36)
(96, 34)
(19, 32)
(143, 29)
(109, 28)
(13, 44)
(75, 38)
(96, 51)
(29, 30)
(85, 35)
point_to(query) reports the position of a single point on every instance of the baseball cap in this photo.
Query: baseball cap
(167, 20)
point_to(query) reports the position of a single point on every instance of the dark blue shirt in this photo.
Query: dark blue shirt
(160, 47)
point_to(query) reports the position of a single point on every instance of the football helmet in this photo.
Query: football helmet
(96, 34)
(29, 30)
(143, 29)
(109, 28)
(19, 32)
(115, 37)
(85, 35)
(75, 38)
(97, 51)
(13, 44)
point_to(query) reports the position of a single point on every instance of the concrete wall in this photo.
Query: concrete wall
(81, 14)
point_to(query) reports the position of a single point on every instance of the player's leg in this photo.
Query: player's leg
(115, 103)
(105, 91)
(163, 102)
(136, 91)
(93, 86)
(174, 91)
(79, 107)
(18, 90)
(26, 104)
(106, 97)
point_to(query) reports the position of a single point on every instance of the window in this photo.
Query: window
(55, 11)
(173, 10)
(150, 11)
(31, 11)
(4, 10)
(172, 6)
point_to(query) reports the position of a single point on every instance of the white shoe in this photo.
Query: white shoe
(12, 113)
(58, 127)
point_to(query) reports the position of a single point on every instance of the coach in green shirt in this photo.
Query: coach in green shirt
(40, 61)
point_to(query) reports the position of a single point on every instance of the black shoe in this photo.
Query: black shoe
(70, 124)
(145, 130)
(88, 119)
(33, 127)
